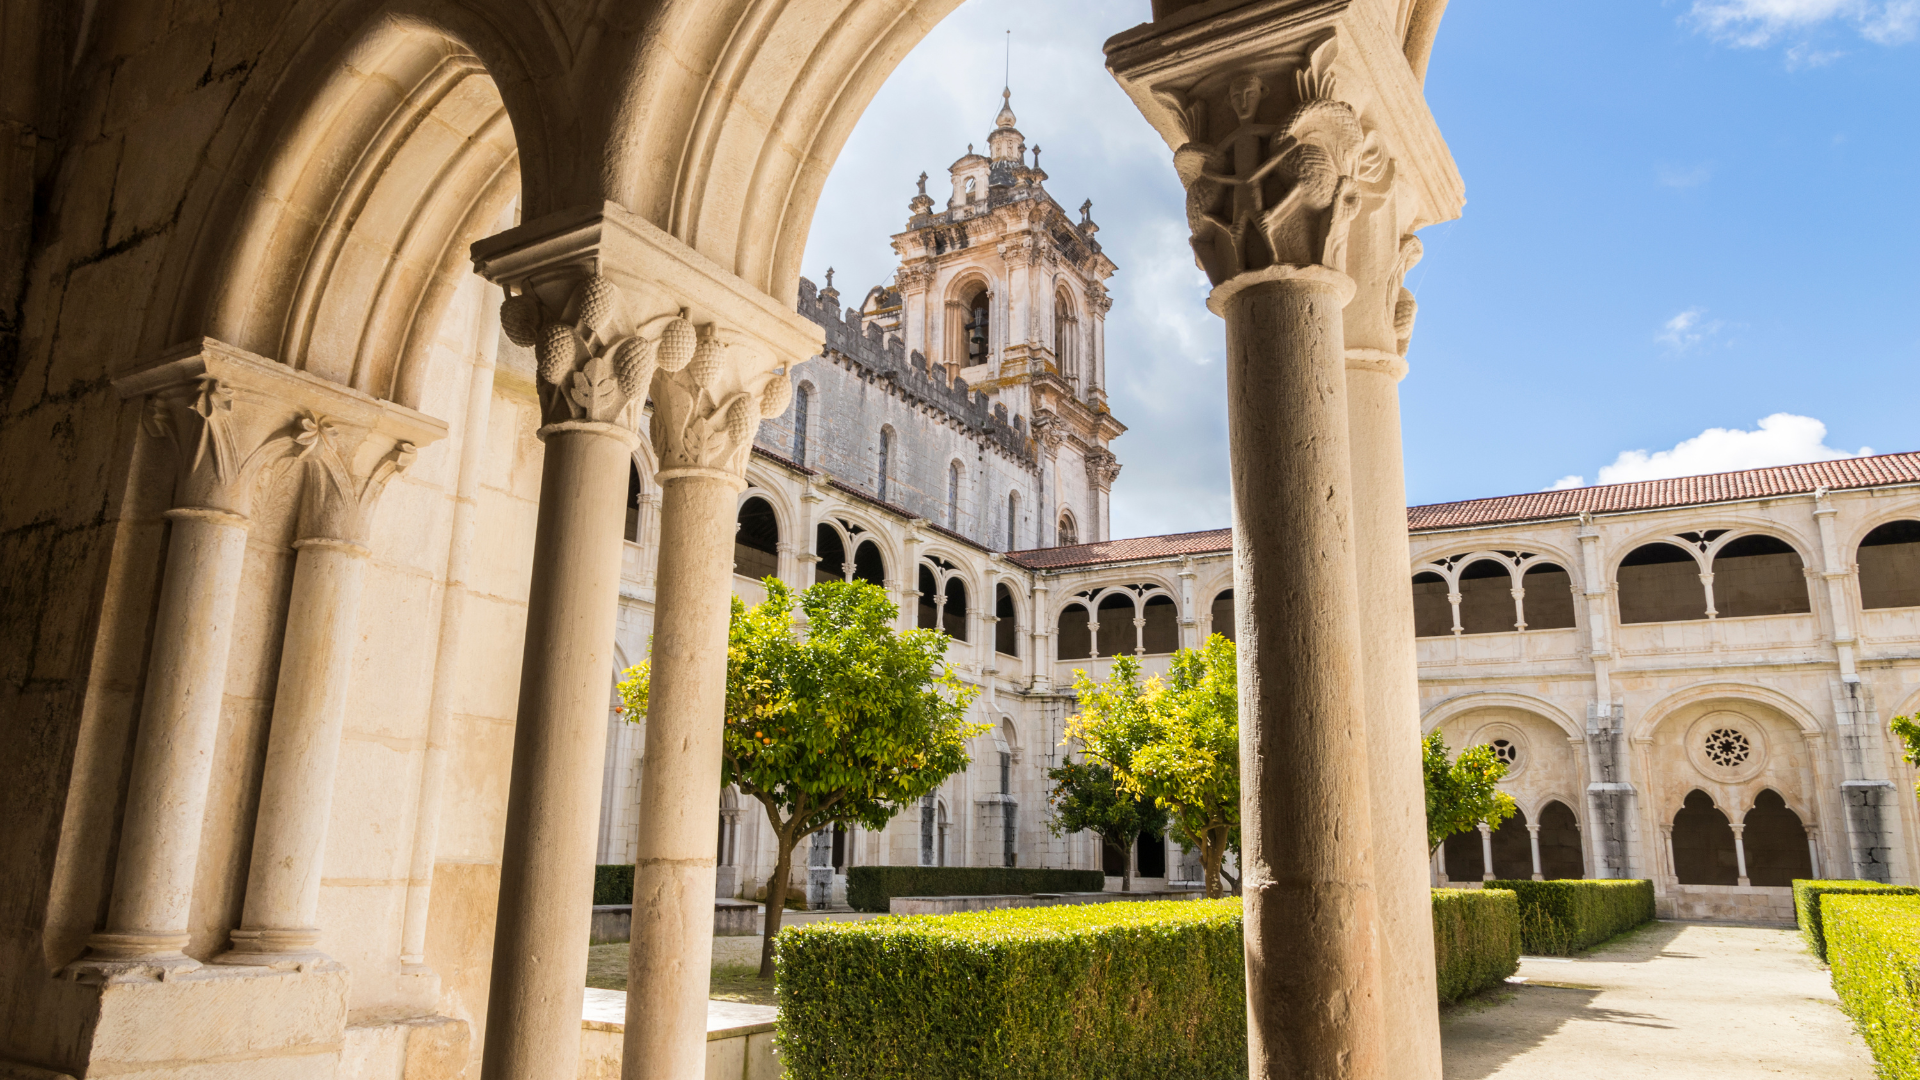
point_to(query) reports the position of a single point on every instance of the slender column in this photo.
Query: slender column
(1813, 852)
(1740, 851)
(1533, 838)
(1040, 644)
(1139, 636)
(1672, 870)
(278, 923)
(1486, 852)
(1440, 863)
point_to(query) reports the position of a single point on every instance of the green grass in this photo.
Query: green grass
(607, 970)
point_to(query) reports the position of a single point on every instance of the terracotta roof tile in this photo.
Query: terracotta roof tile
(1779, 480)
(1209, 542)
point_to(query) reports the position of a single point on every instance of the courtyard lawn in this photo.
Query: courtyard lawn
(734, 979)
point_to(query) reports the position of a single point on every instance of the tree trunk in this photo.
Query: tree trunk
(776, 900)
(1211, 853)
(1126, 866)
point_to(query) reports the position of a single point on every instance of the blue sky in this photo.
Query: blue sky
(1689, 242)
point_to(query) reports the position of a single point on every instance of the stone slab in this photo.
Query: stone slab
(739, 1038)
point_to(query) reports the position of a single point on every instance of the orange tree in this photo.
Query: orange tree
(1462, 791)
(850, 723)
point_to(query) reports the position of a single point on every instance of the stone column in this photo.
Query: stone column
(1533, 838)
(1486, 852)
(1740, 851)
(346, 469)
(1672, 870)
(1440, 864)
(230, 416)
(1040, 644)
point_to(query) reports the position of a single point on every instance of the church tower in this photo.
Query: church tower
(1004, 289)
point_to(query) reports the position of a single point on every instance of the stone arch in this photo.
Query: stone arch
(870, 562)
(1650, 719)
(1432, 605)
(1562, 855)
(1073, 639)
(1069, 529)
(756, 538)
(1775, 838)
(1703, 850)
(1888, 558)
(1006, 627)
(1486, 585)
(1162, 632)
(1446, 709)
(832, 551)
(1659, 581)
(956, 480)
(1548, 602)
(1757, 573)
(969, 333)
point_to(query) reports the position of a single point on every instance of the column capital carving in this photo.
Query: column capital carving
(1103, 468)
(620, 312)
(347, 469)
(232, 416)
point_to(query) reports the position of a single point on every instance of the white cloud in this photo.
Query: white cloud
(1757, 23)
(1686, 330)
(1675, 177)
(1780, 439)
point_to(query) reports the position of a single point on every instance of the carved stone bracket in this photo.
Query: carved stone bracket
(1103, 468)
(347, 469)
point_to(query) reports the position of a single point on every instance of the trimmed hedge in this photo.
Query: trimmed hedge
(1476, 939)
(1559, 918)
(869, 888)
(613, 884)
(1873, 944)
(1806, 904)
(1092, 991)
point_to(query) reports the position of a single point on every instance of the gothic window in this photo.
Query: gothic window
(1162, 633)
(833, 555)
(1486, 598)
(1006, 632)
(1064, 354)
(1069, 532)
(1560, 851)
(1075, 641)
(886, 453)
(1013, 521)
(1223, 615)
(1703, 844)
(868, 566)
(1549, 601)
(756, 540)
(1660, 582)
(929, 615)
(1507, 751)
(1512, 848)
(953, 495)
(953, 618)
(1432, 611)
(1776, 842)
(802, 406)
(633, 503)
(1759, 575)
(1117, 632)
(1890, 566)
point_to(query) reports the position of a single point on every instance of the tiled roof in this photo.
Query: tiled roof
(1209, 542)
(1780, 480)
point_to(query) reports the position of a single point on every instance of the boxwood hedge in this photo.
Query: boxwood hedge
(870, 888)
(1873, 945)
(1806, 904)
(1558, 918)
(1476, 939)
(1089, 991)
(613, 883)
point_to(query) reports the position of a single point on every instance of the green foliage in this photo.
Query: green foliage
(1461, 792)
(613, 883)
(1087, 796)
(1174, 740)
(1476, 939)
(1559, 918)
(1873, 946)
(1908, 731)
(1807, 902)
(871, 888)
(1098, 991)
(852, 724)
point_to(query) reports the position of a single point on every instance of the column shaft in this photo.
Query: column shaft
(1311, 917)
(303, 749)
(1400, 864)
(173, 754)
(1740, 852)
(1533, 840)
(1486, 852)
(672, 943)
(559, 741)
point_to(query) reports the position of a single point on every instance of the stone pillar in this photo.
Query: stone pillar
(1277, 165)
(346, 469)
(1533, 838)
(1040, 644)
(620, 312)
(1672, 869)
(1440, 864)
(1740, 851)
(1486, 852)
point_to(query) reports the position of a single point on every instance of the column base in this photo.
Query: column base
(277, 949)
(135, 957)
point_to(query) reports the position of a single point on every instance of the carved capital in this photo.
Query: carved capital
(1102, 468)
(1049, 429)
(346, 469)
(231, 417)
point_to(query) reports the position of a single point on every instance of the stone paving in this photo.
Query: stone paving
(1675, 1000)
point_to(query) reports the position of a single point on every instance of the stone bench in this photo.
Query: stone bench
(949, 905)
(731, 918)
(739, 1038)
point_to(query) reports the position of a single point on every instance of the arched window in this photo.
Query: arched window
(1548, 604)
(1006, 632)
(1162, 632)
(1759, 575)
(1890, 566)
(1560, 852)
(1661, 583)
(886, 455)
(1063, 338)
(1512, 849)
(1486, 598)
(1463, 857)
(1432, 611)
(633, 503)
(1776, 842)
(954, 616)
(929, 613)
(1013, 521)
(833, 555)
(1703, 844)
(802, 408)
(1223, 615)
(953, 495)
(1117, 632)
(1069, 532)
(868, 566)
(1075, 642)
(756, 541)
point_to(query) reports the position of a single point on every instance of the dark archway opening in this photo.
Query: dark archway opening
(1513, 849)
(833, 555)
(1432, 611)
(1006, 630)
(1776, 842)
(632, 531)
(1890, 566)
(1548, 603)
(1660, 583)
(868, 566)
(1561, 855)
(1075, 642)
(1703, 844)
(928, 615)
(954, 617)
(1162, 632)
(1223, 615)
(756, 541)
(1117, 634)
(1486, 598)
(1759, 575)
(1465, 860)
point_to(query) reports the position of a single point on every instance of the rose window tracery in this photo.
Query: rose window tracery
(1507, 751)
(1727, 748)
